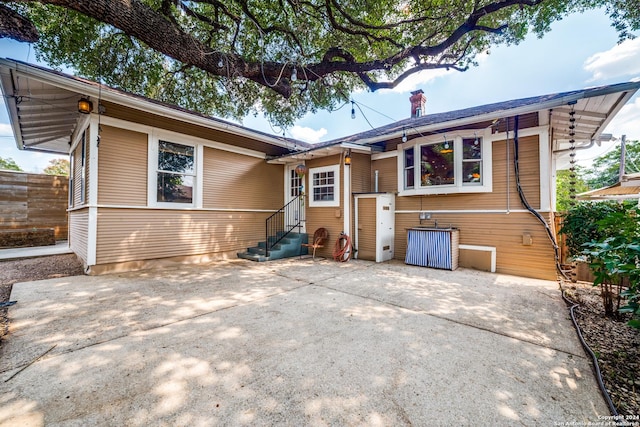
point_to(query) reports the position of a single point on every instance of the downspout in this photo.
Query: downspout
(623, 157)
(508, 173)
(375, 180)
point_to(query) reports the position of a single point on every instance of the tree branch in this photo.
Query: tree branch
(16, 27)
(160, 32)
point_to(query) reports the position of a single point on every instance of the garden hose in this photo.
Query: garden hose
(341, 249)
(596, 367)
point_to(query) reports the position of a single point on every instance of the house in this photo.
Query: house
(153, 181)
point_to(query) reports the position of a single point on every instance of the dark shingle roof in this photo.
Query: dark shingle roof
(498, 108)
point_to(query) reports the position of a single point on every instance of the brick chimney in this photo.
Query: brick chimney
(418, 102)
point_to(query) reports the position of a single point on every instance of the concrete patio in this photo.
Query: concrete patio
(294, 342)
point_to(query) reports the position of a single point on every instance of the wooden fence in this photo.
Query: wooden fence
(560, 238)
(29, 201)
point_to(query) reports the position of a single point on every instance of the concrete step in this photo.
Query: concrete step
(287, 247)
(252, 257)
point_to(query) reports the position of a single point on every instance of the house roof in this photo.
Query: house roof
(42, 107)
(627, 188)
(593, 109)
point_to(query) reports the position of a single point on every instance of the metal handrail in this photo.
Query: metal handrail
(276, 225)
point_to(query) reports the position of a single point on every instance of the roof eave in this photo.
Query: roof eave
(330, 151)
(628, 88)
(110, 95)
(10, 104)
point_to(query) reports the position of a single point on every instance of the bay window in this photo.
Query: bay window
(442, 164)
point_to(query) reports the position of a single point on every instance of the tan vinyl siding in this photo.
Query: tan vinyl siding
(499, 198)
(78, 232)
(387, 175)
(235, 181)
(478, 260)
(325, 217)
(122, 167)
(162, 122)
(367, 228)
(130, 234)
(502, 231)
(360, 180)
(330, 218)
(360, 173)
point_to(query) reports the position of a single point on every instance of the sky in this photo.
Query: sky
(581, 51)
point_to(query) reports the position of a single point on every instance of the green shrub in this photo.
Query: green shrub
(580, 223)
(615, 262)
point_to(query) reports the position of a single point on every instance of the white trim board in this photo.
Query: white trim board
(171, 208)
(491, 249)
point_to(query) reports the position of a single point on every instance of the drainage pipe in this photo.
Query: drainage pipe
(375, 181)
(524, 201)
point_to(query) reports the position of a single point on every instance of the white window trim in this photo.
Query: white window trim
(72, 181)
(336, 187)
(152, 188)
(459, 187)
(83, 168)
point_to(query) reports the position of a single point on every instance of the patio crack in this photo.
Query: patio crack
(459, 322)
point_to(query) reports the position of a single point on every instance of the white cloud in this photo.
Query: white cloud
(5, 129)
(621, 60)
(308, 134)
(420, 79)
(627, 121)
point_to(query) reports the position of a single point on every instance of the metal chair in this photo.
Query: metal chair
(319, 238)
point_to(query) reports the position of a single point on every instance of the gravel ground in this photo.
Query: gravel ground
(27, 270)
(615, 344)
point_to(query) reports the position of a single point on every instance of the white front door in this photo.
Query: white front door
(293, 186)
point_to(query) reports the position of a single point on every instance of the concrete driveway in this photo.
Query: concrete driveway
(294, 342)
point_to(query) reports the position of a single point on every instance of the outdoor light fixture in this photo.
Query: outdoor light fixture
(294, 75)
(347, 158)
(84, 106)
(404, 135)
(446, 143)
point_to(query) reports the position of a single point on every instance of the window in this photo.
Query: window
(408, 168)
(325, 186)
(435, 165)
(295, 181)
(472, 161)
(175, 173)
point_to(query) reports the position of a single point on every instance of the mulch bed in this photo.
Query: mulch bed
(615, 344)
